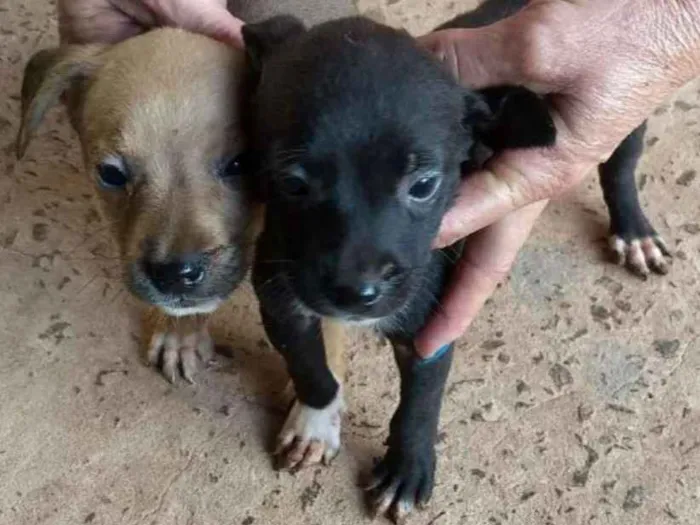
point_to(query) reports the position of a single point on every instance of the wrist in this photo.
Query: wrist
(677, 45)
(691, 16)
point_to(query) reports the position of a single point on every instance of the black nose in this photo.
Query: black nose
(363, 294)
(175, 277)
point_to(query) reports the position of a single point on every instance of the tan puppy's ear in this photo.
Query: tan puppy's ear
(49, 74)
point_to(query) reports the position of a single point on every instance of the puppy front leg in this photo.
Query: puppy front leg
(405, 477)
(176, 344)
(311, 433)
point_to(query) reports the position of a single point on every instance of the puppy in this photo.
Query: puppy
(362, 138)
(160, 132)
(159, 118)
(360, 135)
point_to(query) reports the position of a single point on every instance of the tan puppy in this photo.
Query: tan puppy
(158, 117)
(160, 129)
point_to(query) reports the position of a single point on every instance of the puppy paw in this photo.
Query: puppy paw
(176, 345)
(310, 435)
(641, 254)
(401, 482)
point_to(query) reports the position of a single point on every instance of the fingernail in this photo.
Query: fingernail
(436, 356)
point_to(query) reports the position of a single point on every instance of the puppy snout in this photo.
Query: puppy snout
(358, 291)
(361, 294)
(178, 276)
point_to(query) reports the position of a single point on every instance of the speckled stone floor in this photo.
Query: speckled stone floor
(574, 399)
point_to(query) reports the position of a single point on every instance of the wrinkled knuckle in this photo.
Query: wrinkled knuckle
(538, 43)
(536, 54)
(451, 229)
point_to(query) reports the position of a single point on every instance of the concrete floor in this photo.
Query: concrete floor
(574, 398)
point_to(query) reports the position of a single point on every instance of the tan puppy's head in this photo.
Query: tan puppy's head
(159, 125)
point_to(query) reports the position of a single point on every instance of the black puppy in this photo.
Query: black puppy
(361, 136)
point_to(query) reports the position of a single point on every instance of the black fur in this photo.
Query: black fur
(361, 113)
(617, 178)
(354, 113)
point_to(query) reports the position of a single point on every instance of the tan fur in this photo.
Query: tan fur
(176, 344)
(155, 322)
(171, 123)
(168, 102)
(143, 104)
(334, 340)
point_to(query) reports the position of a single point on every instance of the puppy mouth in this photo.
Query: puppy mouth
(204, 297)
(184, 307)
(175, 305)
(318, 301)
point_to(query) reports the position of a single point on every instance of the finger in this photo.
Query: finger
(210, 18)
(218, 23)
(508, 182)
(101, 21)
(479, 57)
(487, 258)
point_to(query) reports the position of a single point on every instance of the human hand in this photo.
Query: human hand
(110, 21)
(605, 66)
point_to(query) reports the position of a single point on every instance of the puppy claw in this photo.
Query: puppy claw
(294, 457)
(171, 357)
(154, 348)
(205, 348)
(188, 362)
(619, 247)
(283, 442)
(383, 501)
(401, 511)
(373, 482)
(642, 256)
(310, 436)
(177, 352)
(661, 244)
(329, 457)
(423, 504)
(655, 255)
(314, 454)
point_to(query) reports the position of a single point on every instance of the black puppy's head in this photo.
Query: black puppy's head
(361, 135)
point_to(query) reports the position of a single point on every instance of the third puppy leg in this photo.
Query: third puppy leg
(405, 477)
(632, 236)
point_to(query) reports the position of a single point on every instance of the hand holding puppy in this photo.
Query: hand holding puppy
(606, 65)
(110, 21)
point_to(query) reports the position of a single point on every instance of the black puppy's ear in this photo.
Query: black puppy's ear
(264, 37)
(510, 118)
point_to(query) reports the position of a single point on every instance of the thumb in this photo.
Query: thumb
(508, 182)
(487, 259)
(210, 18)
(218, 23)
(479, 57)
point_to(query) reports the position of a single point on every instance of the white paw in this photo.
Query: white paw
(178, 353)
(641, 255)
(310, 435)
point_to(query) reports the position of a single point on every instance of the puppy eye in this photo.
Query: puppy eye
(235, 167)
(424, 188)
(294, 185)
(112, 175)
